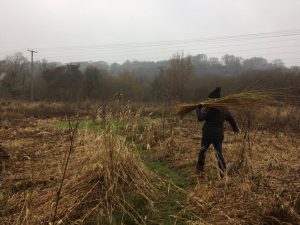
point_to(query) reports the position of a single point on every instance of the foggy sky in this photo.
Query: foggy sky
(84, 30)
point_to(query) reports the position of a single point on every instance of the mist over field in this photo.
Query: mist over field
(149, 112)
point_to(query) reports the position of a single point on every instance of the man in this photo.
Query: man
(213, 130)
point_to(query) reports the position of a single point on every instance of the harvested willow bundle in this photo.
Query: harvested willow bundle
(235, 100)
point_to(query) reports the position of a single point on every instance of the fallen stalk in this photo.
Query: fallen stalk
(72, 132)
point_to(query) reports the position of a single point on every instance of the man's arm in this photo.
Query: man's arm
(231, 120)
(201, 113)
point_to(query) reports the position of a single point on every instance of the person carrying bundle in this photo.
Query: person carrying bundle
(213, 130)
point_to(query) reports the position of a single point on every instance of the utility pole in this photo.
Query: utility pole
(31, 93)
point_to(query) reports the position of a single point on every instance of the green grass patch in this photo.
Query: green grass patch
(169, 209)
(161, 168)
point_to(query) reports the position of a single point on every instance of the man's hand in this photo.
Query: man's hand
(200, 106)
(237, 130)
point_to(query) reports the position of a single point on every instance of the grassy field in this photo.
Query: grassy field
(135, 164)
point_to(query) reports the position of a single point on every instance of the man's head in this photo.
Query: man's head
(215, 93)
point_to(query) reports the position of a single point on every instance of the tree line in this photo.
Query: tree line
(182, 78)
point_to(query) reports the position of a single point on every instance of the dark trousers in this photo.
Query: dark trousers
(204, 147)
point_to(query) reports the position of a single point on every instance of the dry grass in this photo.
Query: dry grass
(266, 193)
(269, 194)
(103, 174)
(243, 99)
(107, 182)
(109, 172)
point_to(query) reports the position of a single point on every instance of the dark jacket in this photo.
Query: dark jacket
(213, 128)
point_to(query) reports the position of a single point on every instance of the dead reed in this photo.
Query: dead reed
(105, 181)
(243, 99)
(105, 174)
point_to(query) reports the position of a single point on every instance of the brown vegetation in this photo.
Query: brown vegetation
(109, 179)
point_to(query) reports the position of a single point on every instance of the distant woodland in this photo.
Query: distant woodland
(181, 78)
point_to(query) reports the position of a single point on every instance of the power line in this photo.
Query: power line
(257, 35)
(164, 50)
(159, 43)
(228, 52)
(295, 32)
(186, 45)
(96, 51)
(105, 54)
(113, 51)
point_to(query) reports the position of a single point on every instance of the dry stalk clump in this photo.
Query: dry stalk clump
(239, 201)
(243, 99)
(111, 172)
(268, 195)
(103, 177)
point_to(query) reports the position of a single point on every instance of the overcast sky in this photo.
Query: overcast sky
(116, 30)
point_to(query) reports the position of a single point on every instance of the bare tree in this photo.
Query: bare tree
(17, 71)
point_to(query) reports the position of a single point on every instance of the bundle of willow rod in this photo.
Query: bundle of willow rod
(235, 100)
